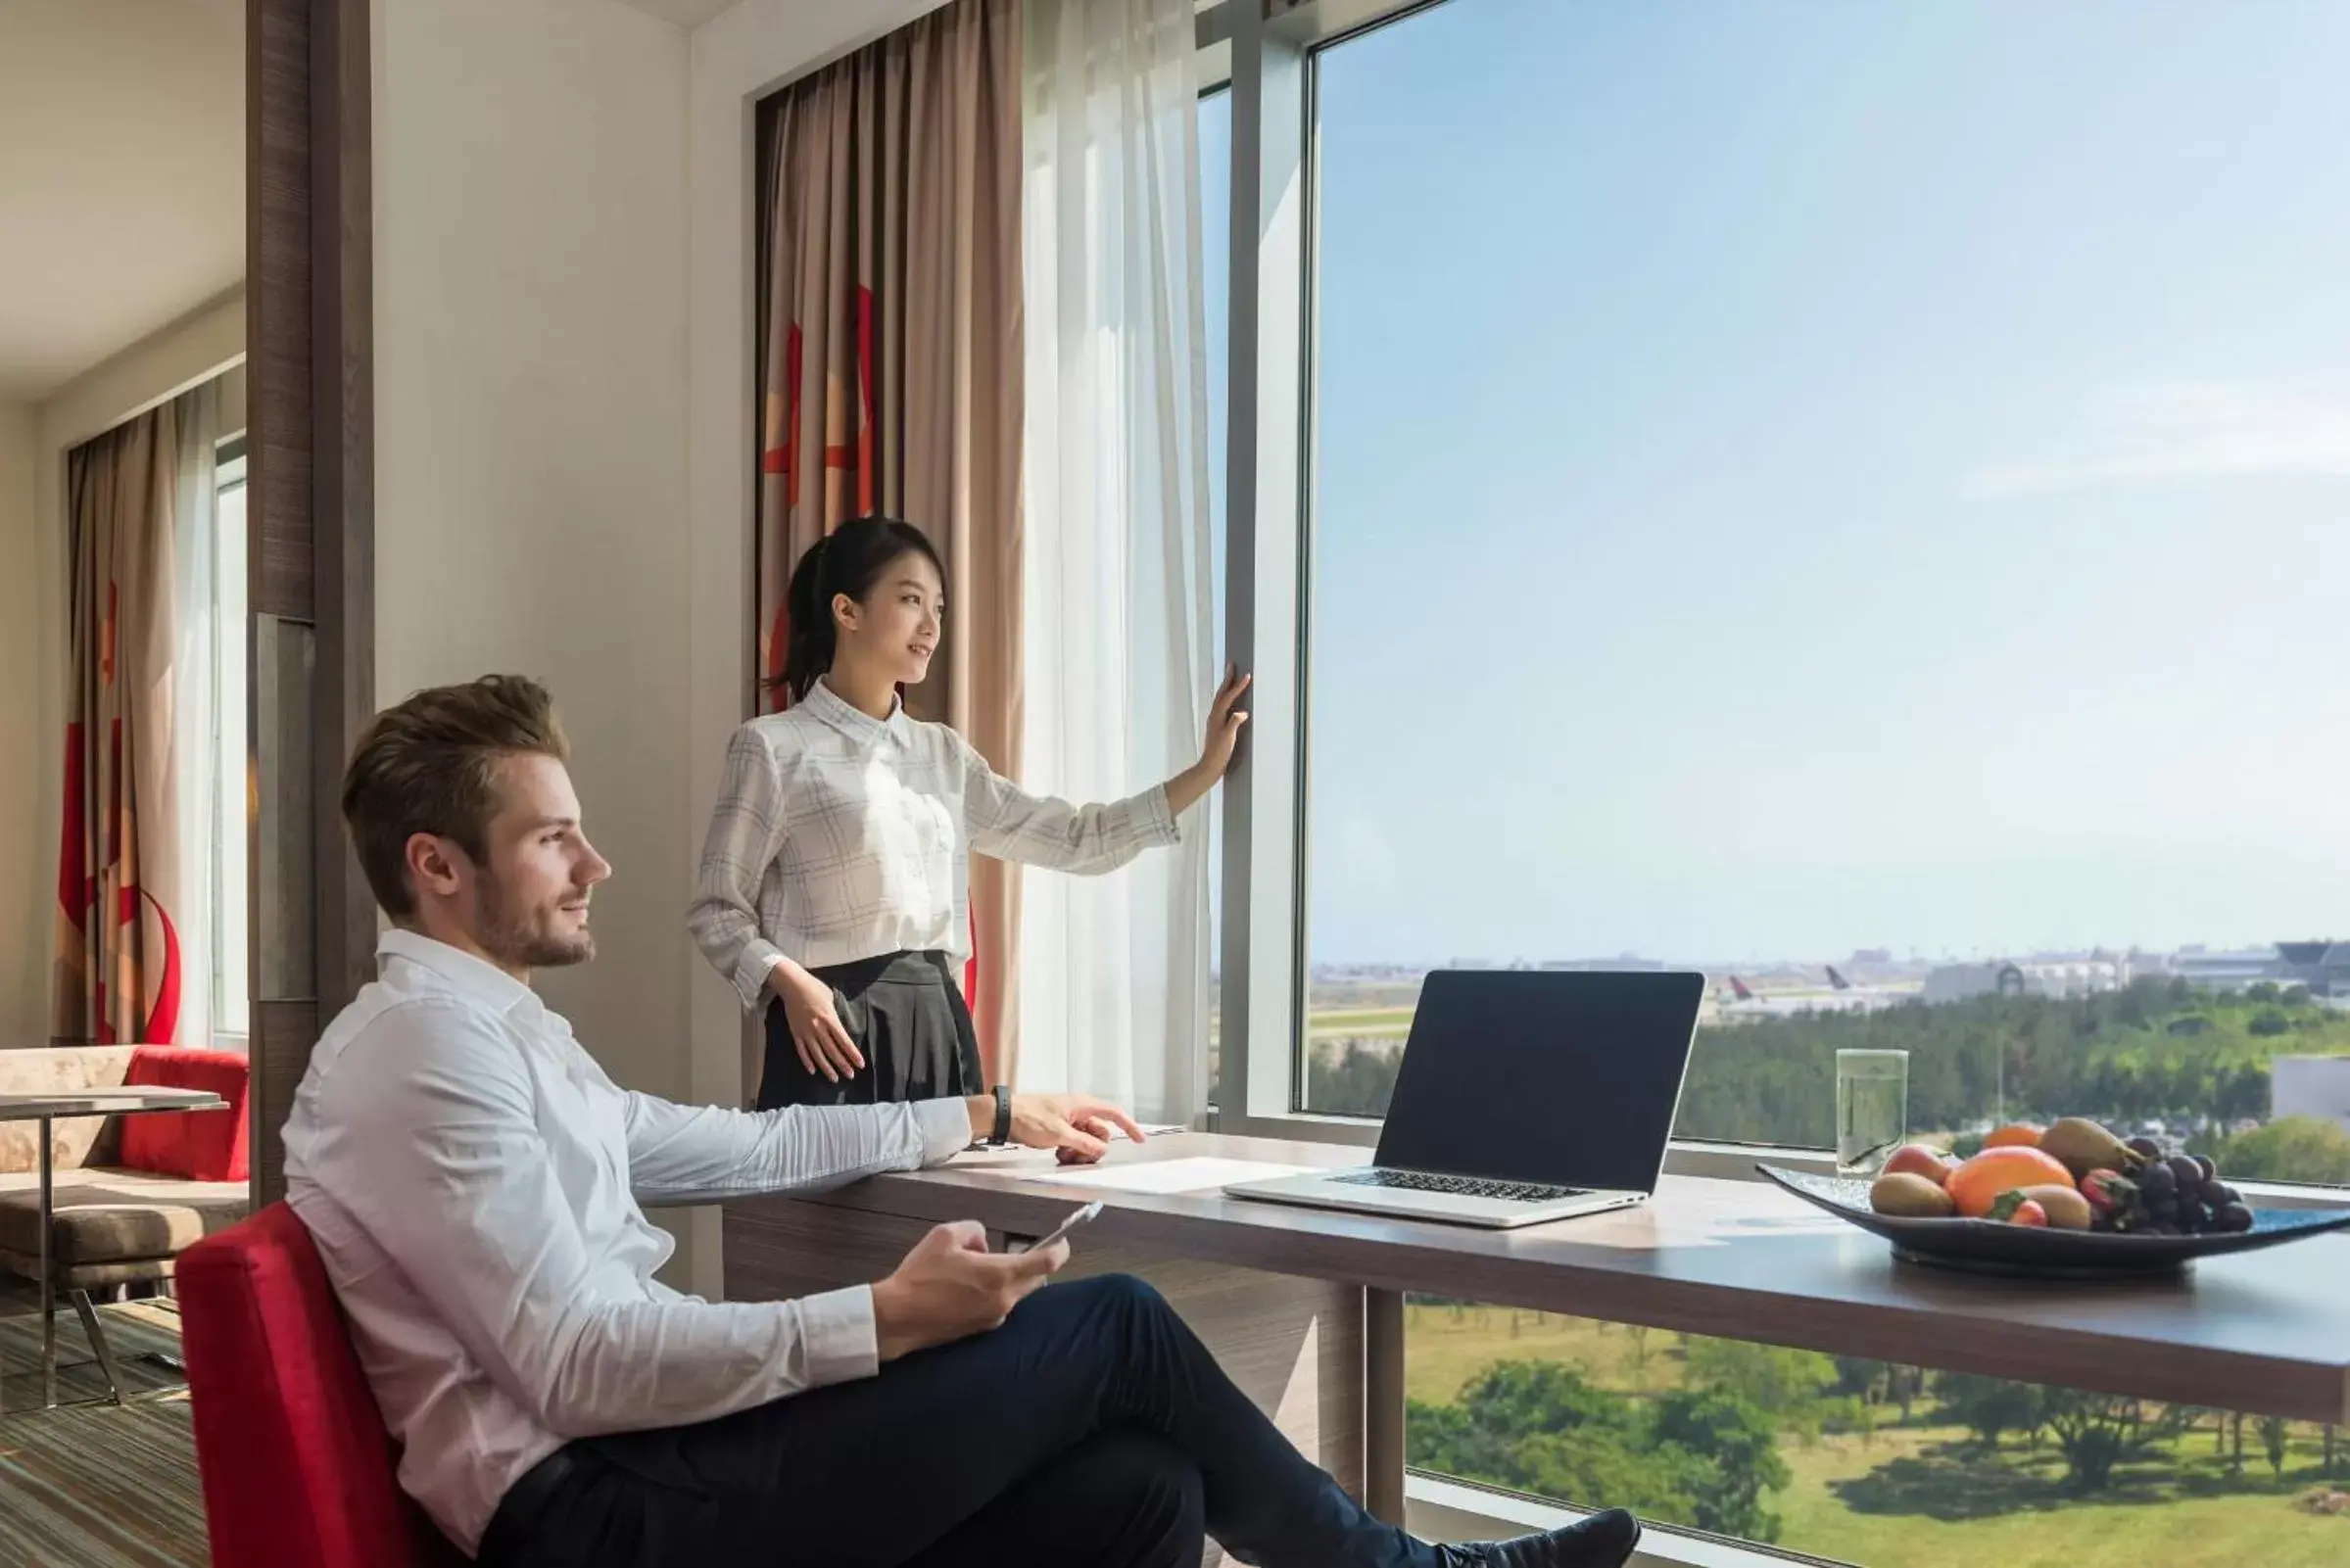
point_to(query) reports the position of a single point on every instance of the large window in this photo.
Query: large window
(1860, 1461)
(232, 999)
(1846, 498)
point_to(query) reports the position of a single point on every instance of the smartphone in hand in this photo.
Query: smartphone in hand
(1062, 1231)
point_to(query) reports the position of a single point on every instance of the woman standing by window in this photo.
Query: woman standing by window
(834, 880)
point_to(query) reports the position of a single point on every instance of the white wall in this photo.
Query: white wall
(32, 620)
(549, 499)
(23, 869)
(530, 396)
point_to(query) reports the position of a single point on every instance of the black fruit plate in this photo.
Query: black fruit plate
(1995, 1246)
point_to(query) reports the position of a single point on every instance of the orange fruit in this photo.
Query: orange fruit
(1977, 1184)
(2015, 1135)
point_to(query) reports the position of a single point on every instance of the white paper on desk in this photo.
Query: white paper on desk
(1199, 1173)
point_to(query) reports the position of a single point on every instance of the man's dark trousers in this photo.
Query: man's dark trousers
(1092, 1429)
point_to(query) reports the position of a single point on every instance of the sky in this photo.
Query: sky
(1800, 477)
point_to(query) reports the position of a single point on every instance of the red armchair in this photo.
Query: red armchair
(297, 1471)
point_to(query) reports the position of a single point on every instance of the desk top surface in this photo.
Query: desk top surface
(2266, 1332)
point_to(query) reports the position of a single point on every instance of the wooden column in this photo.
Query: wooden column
(309, 363)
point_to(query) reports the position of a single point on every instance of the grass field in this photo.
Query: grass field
(1361, 1022)
(1917, 1496)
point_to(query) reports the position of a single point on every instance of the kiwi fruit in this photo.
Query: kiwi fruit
(1910, 1196)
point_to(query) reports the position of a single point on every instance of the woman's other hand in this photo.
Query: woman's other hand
(823, 1046)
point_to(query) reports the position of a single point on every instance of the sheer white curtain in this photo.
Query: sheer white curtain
(193, 899)
(1113, 971)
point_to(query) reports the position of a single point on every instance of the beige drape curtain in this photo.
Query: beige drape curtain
(891, 370)
(134, 890)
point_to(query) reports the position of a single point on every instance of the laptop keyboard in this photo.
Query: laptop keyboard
(1522, 1192)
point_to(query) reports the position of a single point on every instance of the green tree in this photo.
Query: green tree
(1656, 1482)
(1737, 1439)
(2273, 1435)
(2097, 1433)
(1989, 1407)
(2288, 1149)
(1700, 1457)
(1788, 1384)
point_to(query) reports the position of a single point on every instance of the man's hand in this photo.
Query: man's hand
(1077, 1126)
(951, 1287)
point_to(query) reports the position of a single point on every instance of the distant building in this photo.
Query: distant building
(2222, 971)
(2322, 968)
(1956, 983)
(2311, 1086)
(2050, 976)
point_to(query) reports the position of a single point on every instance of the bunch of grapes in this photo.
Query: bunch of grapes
(2180, 1194)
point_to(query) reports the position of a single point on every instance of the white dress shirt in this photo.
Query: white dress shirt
(839, 837)
(466, 1168)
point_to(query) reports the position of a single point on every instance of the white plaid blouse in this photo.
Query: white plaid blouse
(839, 837)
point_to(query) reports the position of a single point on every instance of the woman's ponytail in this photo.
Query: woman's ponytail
(808, 619)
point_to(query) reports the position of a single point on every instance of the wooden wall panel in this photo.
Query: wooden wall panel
(310, 365)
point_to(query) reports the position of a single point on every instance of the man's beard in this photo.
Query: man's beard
(509, 935)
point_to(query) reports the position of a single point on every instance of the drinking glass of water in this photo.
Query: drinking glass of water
(1872, 1108)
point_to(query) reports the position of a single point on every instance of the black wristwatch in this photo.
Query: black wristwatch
(1003, 1116)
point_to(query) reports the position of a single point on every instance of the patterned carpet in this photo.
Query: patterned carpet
(98, 1486)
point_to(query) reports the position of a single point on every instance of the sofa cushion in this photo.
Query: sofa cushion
(61, 1069)
(201, 1145)
(118, 1217)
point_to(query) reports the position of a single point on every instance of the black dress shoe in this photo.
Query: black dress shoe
(1602, 1541)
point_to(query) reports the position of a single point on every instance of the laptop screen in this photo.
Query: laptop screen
(1565, 1076)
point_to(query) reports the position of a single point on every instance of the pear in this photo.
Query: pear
(2065, 1207)
(2082, 1145)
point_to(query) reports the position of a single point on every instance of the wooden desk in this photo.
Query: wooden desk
(2267, 1334)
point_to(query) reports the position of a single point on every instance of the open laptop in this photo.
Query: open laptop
(1523, 1096)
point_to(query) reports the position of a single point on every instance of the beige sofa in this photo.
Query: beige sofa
(110, 1226)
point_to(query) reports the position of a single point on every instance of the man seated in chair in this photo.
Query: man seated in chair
(466, 1168)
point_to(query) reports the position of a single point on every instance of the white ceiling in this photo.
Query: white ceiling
(122, 177)
(685, 13)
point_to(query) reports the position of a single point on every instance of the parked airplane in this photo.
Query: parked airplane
(1842, 996)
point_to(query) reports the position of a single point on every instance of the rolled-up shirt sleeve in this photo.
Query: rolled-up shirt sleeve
(745, 834)
(446, 1170)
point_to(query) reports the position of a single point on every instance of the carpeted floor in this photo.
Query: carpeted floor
(97, 1485)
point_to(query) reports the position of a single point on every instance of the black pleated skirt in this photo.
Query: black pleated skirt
(909, 1019)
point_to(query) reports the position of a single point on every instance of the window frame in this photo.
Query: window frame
(1261, 53)
(231, 853)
